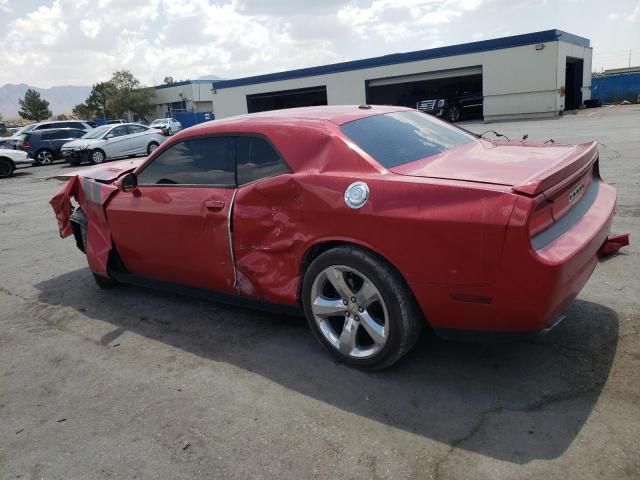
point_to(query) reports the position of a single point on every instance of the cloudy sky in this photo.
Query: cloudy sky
(80, 42)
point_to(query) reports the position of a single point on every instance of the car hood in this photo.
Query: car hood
(525, 166)
(82, 143)
(104, 173)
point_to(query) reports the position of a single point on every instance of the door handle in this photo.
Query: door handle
(214, 204)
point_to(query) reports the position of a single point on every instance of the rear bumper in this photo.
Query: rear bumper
(533, 286)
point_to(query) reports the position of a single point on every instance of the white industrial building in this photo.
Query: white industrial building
(523, 76)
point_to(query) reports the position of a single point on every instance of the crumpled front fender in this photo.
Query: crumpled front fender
(92, 196)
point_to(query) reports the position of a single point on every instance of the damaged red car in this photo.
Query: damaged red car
(373, 221)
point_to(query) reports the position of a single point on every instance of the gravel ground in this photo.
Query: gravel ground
(131, 383)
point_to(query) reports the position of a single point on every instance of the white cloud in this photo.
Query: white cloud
(90, 27)
(84, 41)
(635, 15)
(613, 16)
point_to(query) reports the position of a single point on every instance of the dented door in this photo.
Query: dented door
(176, 234)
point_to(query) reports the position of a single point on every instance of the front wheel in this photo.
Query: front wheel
(454, 113)
(96, 157)
(6, 167)
(360, 308)
(151, 147)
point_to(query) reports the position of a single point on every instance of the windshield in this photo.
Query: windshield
(25, 129)
(160, 121)
(397, 138)
(98, 132)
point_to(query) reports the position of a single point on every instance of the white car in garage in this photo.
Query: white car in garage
(112, 141)
(10, 159)
(168, 125)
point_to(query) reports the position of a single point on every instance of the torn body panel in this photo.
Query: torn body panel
(92, 196)
(613, 244)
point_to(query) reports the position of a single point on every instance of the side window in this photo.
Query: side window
(49, 135)
(120, 131)
(257, 159)
(201, 161)
(43, 126)
(137, 129)
(76, 133)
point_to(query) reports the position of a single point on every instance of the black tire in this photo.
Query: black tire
(151, 147)
(104, 282)
(405, 319)
(454, 113)
(97, 156)
(6, 167)
(44, 157)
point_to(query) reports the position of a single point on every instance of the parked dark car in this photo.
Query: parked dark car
(78, 124)
(44, 145)
(453, 107)
(12, 141)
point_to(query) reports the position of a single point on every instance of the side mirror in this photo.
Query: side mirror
(108, 136)
(129, 182)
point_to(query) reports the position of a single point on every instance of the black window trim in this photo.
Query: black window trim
(235, 162)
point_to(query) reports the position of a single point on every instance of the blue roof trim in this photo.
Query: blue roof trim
(184, 82)
(461, 49)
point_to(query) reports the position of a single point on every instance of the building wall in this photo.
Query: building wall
(197, 96)
(519, 81)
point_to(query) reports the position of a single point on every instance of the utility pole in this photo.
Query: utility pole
(629, 58)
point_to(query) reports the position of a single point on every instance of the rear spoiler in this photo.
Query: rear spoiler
(574, 162)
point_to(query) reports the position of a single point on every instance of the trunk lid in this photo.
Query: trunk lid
(529, 168)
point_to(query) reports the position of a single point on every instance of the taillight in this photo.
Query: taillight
(541, 218)
(24, 145)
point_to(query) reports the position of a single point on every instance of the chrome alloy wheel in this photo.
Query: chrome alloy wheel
(45, 158)
(349, 311)
(97, 156)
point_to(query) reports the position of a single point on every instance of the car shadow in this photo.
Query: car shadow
(518, 401)
(22, 172)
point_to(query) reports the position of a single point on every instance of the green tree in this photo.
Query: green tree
(168, 81)
(129, 95)
(62, 116)
(33, 107)
(96, 103)
(83, 111)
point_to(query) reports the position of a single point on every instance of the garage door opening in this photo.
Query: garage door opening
(301, 97)
(573, 83)
(453, 94)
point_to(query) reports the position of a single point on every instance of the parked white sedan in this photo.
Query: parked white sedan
(10, 159)
(112, 141)
(168, 125)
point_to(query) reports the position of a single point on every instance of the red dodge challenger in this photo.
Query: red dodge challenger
(375, 221)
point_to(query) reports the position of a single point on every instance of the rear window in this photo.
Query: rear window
(397, 138)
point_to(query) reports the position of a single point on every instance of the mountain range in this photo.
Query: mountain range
(61, 99)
